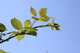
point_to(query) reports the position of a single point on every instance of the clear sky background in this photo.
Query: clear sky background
(67, 13)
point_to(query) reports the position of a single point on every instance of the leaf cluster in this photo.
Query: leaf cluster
(27, 28)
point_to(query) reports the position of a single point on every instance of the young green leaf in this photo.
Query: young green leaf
(2, 27)
(44, 18)
(20, 37)
(16, 24)
(27, 23)
(57, 26)
(33, 12)
(43, 12)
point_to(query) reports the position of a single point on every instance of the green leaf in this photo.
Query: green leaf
(32, 33)
(2, 51)
(31, 29)
(20, 37)
(43, 12)
(34, 18)
(16, 24)
(33, 12)
(2, 27)
(27, 23)
(44, 18)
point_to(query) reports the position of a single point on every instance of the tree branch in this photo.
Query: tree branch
(14, 35)
(8, 39)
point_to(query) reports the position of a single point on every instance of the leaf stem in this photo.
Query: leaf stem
(33, 23)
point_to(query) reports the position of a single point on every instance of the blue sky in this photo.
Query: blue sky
(67, 13)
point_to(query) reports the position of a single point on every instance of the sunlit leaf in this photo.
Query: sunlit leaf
(34, 18)
(2, 51)
(27, 23)
(44, 18)
(16, 24)
(43, 12)
(20, 37)
(2, 27)
(33, 12)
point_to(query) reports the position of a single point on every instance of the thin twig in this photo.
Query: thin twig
(41, 26)
(7, 39)
(33, 23)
